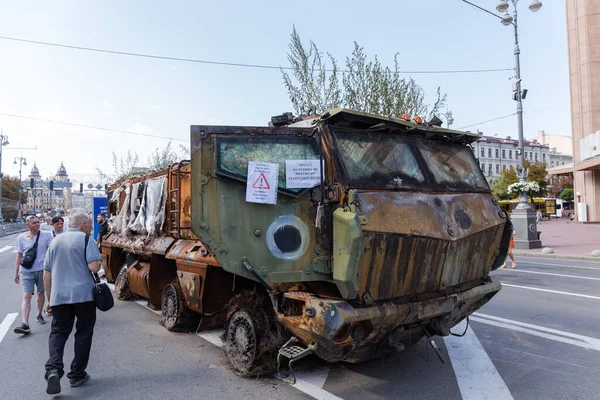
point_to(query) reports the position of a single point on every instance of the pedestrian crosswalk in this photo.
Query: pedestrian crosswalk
(6, 324)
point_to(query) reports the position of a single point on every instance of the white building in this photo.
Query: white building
(496, 154)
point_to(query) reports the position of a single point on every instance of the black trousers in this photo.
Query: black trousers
(63, 318)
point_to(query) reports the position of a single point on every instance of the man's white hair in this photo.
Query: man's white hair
(77, 219)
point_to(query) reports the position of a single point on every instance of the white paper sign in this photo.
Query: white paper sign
(300, 174)
(261, 186)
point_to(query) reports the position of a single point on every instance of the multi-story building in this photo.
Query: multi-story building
(583, 30)
(40, 199)
(496, 154)
(558, 159)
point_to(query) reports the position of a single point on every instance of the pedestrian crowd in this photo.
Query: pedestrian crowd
(58, 259)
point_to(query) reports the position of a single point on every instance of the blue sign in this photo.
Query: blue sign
(100, 207)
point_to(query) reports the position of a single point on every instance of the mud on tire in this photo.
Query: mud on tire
(252, 335)
(122, 288)
(176, 316)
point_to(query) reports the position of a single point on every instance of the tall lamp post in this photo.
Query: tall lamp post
(3, 142)
(21, 161)
(523, 216)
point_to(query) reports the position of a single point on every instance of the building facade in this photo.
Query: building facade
(496, 154)
(583, 29)
(40, 199)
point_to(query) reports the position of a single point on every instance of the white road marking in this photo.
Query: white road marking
(557, 265)
(5, 325)
(144, 303)
(475, 372)
(552, 291)
(314, 391)
(549, 273)
(212, 336)
(6, 248)
(540, 331)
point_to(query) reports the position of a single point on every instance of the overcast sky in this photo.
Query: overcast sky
(164, 98)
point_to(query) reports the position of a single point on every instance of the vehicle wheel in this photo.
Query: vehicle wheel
(122, 288)
(253, 336)
(176, 316)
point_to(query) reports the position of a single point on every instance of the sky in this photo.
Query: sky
(163, 98)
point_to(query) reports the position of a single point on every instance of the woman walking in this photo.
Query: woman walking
(510, 254)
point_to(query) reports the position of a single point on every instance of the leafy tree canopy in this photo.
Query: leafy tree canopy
(365, 85)
(567, 195)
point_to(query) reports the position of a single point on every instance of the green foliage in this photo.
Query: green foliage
(567, 195)
(366, 85)
(123, 168)
(162, 158)
(500, 189)
(10, 196)
(537, 173)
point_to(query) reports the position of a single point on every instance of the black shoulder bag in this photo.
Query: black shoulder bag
(30, 255)
(103, 297)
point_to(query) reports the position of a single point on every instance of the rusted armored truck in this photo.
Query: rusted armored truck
(341, 235)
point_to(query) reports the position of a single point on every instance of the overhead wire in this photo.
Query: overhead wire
(509, 115)
(231, 64)
(93, 127)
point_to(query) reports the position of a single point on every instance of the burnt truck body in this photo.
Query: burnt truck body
(394, 241)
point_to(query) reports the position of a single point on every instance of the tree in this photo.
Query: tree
(567, 195)
(10, 196)
(366, 85)
(123, 168)
(162, 158)
(537, 173)
(507, 177)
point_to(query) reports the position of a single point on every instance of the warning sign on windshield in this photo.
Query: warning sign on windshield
(261, 186)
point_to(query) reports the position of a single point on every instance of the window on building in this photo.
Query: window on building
(563, 163)
(544, 157)
(504, 167)
(535, 156)
(497, 153)
(510, 154)
(552, 163)
(530, 155)
(503, 153)
(483, 167)
(490, 168)
(482, 152)
(490, 153)
(526, 155)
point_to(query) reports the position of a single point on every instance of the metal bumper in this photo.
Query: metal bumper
(342, 332)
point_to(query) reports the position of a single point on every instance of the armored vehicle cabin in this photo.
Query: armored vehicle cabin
(340, 235)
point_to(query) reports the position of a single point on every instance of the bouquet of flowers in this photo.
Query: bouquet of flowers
(527, 187)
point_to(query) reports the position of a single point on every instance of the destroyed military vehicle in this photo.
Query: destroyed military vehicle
(342, 235)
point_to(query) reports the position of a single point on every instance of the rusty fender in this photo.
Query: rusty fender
(345, 333)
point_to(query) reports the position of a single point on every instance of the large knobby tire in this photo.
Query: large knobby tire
(252, 336)
(176, 316)
(122, 288)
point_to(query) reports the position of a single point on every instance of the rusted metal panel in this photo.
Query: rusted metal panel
(137, 275)
(442, 216)
(392, 266)
(140, 244)
(191, 285)
(331, 323)
(191, 250)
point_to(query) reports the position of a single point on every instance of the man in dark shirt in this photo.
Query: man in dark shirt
(102, 229)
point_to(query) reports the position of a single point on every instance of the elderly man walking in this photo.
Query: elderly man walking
(31, 245)
(71, 259)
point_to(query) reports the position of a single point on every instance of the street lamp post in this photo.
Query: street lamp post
(3, 142)
(21, 161)
(523, 216)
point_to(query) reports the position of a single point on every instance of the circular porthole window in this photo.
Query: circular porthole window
(287, 237)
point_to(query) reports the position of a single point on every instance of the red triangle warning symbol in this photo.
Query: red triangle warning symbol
(261, 182)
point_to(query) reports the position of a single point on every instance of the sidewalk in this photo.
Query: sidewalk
(567, 239)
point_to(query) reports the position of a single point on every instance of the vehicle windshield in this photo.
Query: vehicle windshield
(377, 160)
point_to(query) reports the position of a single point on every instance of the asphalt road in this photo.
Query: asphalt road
(539, 338)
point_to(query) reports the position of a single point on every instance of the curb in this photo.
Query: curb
(560, 256)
